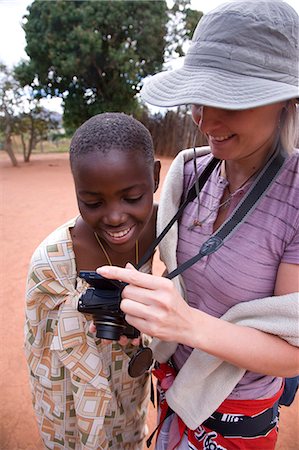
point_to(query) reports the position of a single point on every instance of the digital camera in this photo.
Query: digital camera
(102, 301)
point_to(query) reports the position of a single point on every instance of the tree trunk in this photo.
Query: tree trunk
(23, 145)
(31, 142)
(8, 146)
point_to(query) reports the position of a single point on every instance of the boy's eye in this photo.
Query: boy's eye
(93, 205)
(133, 199)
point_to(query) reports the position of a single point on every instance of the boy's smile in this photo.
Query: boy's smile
(120, 234)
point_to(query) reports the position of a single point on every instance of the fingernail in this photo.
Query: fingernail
(102, 270)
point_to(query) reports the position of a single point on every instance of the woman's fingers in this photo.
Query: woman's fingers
(131, 276)
(134, 307)
(151, 303)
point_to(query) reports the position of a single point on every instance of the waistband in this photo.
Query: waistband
(233, 418)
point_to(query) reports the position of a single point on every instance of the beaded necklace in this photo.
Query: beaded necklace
(198, 223)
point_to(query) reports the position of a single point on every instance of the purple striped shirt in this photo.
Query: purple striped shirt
(245, 267)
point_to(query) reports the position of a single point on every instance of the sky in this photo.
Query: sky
(12, 36)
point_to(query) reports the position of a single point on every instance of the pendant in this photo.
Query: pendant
(196, 223)
(140, 362)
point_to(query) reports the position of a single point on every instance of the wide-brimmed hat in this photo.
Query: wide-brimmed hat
(242, 55)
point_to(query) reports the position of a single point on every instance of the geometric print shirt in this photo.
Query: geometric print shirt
(82, 394)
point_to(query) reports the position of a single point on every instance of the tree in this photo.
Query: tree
(93, 54)
(9, 101)
(21, 114)
(33, 127)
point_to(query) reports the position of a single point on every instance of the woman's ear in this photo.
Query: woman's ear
(157, 169)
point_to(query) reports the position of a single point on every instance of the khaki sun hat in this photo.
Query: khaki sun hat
(243, 54)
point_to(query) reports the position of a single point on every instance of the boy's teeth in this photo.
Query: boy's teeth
(119, 234)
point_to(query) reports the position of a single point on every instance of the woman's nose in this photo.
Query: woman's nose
(206, 117)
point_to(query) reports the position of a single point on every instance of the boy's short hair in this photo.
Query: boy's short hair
(107, 131)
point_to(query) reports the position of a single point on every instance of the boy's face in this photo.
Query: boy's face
(115, 195)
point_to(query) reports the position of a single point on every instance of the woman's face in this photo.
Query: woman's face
(115, 195)
(234, 135)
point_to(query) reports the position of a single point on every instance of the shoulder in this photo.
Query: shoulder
(287, 182)
(55, 250)
(184, 160)
(291, 168)
(184, 156)
(202, 159)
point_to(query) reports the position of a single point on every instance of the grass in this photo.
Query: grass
(60, 146)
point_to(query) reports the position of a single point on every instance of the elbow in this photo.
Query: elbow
(290, 368)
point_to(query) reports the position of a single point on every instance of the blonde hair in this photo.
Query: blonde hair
(289, 133)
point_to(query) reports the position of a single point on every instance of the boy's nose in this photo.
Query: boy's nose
(114, 217)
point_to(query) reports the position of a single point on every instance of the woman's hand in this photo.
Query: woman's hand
(153, 306)
(151, 303)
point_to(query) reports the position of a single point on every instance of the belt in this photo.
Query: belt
(236, 425)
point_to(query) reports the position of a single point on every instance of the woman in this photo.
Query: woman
(224, 377)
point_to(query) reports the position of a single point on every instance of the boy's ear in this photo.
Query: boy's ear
(157, 168)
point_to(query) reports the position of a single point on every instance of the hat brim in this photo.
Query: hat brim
(214, 87)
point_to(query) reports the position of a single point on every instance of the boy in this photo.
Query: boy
(82, 394)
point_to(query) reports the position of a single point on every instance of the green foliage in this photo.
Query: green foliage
(93, 54)
(10, 95)
(182, 23)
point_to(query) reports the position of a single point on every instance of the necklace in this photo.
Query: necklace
(106, 254)
(142, 360)
(198, 223)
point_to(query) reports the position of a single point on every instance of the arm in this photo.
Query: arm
(287, 279)
(52, 319)
(154, 306)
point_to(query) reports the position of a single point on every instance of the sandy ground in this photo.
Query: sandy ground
(35, 198)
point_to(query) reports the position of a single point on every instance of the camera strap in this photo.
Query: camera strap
(247, 205)
(192, 193)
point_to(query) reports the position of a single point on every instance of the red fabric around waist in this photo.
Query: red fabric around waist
(199, 437)
(248, 407)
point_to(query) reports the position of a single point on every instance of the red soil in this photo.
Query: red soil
(36, 198)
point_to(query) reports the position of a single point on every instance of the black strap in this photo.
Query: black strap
(245, 426)
(150, 438)
(192, 193)
(235, 426)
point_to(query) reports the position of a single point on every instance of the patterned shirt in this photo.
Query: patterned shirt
(82, 394)
(245, 267)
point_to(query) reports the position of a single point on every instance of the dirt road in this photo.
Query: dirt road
(35, 198)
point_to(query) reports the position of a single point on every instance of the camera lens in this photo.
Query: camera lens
(102, 301)
(109, 326)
